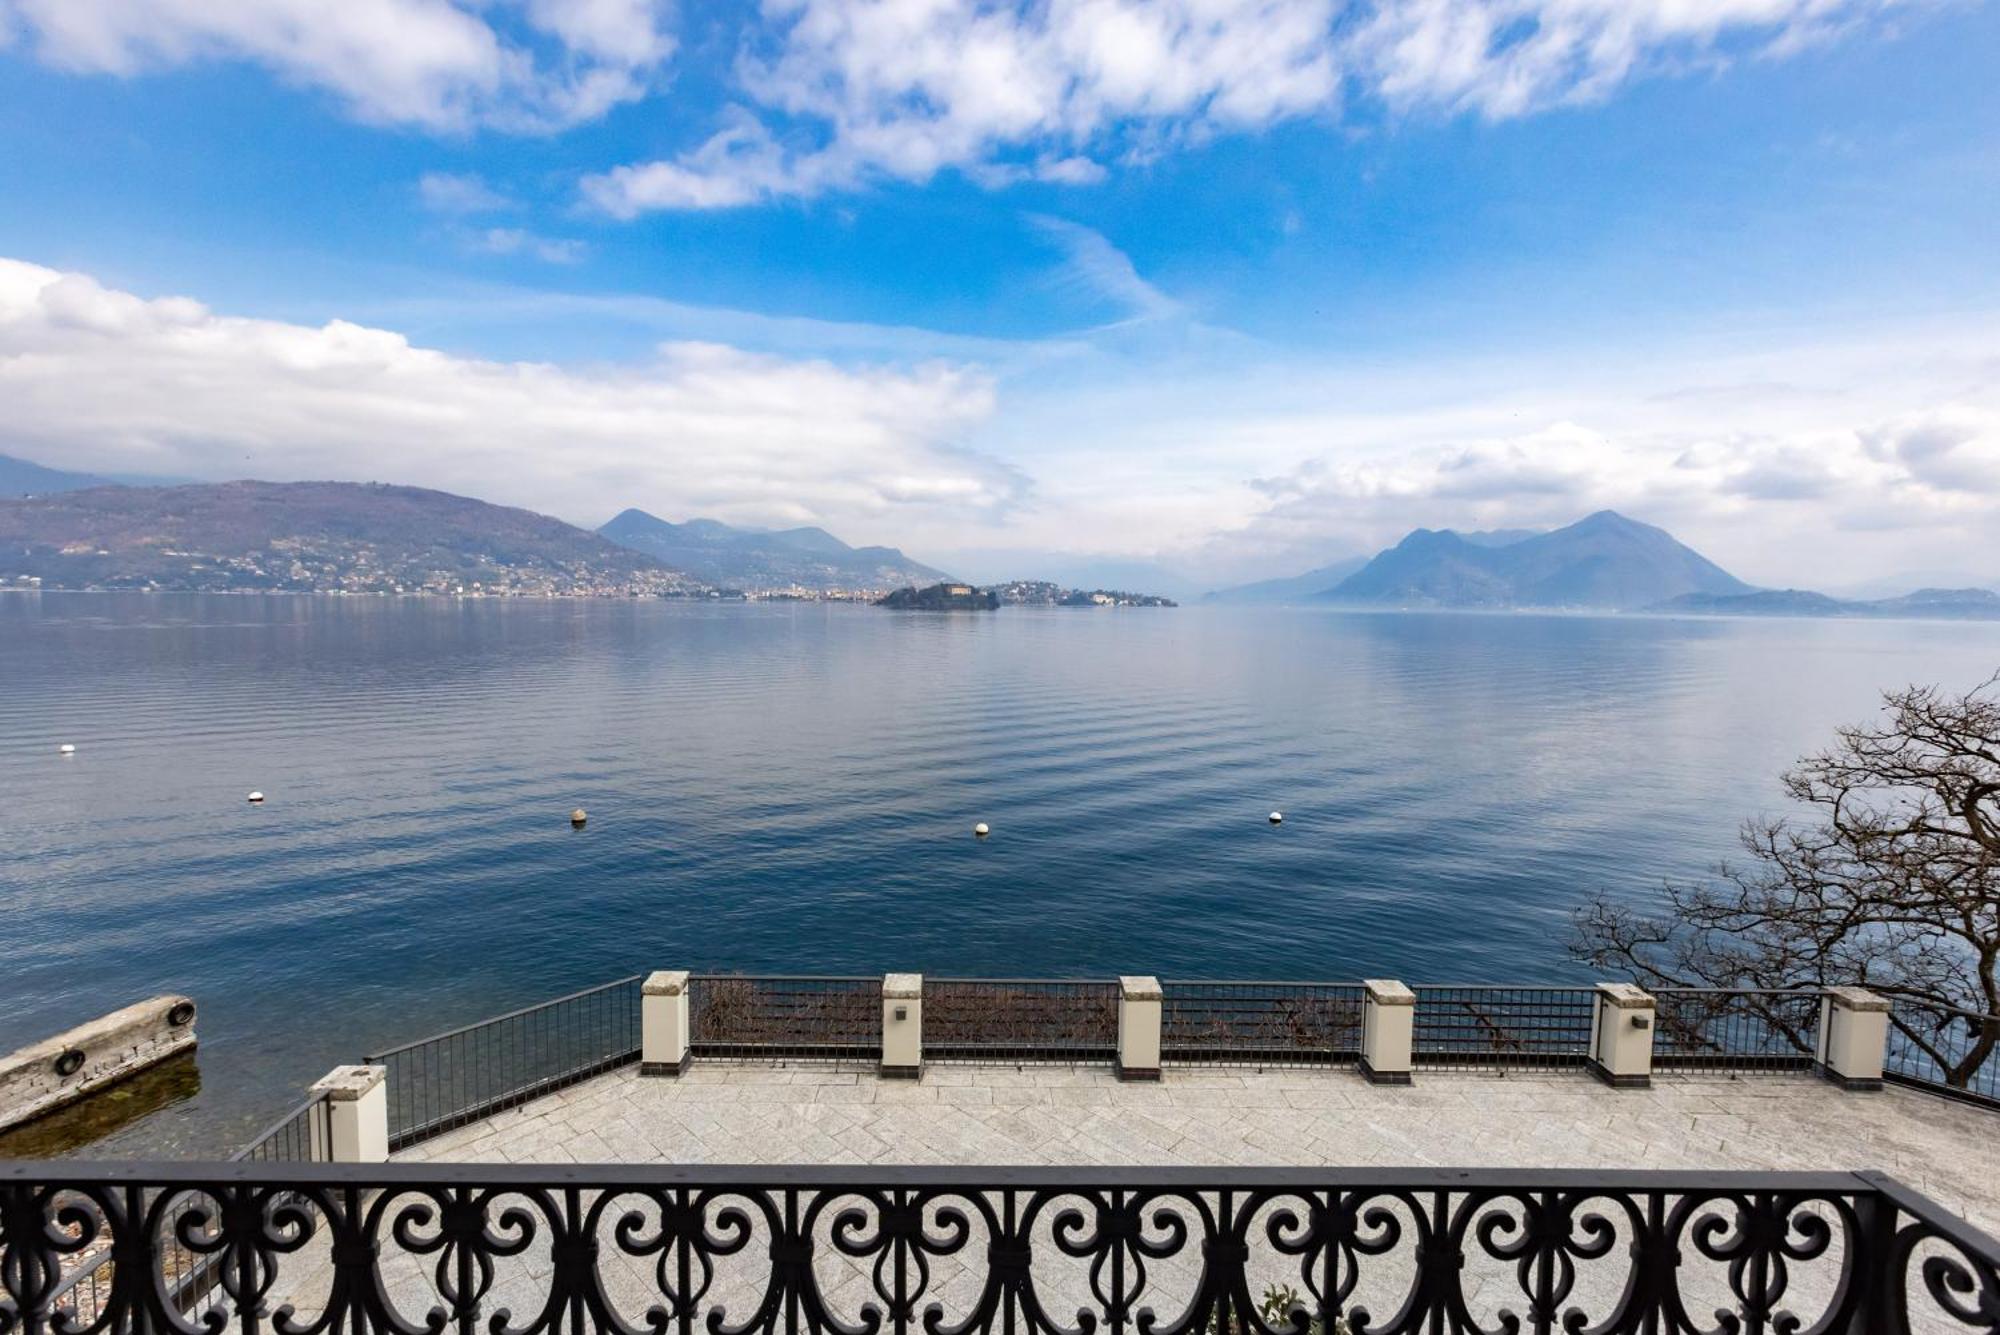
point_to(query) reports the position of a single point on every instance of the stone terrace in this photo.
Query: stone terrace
(764, 1114)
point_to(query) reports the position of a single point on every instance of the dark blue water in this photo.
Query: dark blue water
(793, 788)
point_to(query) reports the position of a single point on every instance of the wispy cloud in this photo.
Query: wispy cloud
(520, 241)
(459, 194)
(1099, 268)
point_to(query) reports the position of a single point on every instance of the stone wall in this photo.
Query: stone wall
(57, 1071)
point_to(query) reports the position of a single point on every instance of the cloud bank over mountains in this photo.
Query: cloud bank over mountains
(102, 380)
(1782, 486)
(1856, 455)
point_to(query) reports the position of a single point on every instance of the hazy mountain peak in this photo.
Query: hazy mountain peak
(21, 477)
(742, 558)
(1611, 519)
(815, 540)
(1603, 560)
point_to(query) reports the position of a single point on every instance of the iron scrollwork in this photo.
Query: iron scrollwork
(494, 1250)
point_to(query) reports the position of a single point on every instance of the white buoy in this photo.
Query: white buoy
(578, 817)
(1277, 818)
(67, 748)
(256, 797)
(981, 830)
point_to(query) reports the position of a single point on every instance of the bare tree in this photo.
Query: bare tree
(1893, 884)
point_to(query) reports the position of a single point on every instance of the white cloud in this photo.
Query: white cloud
(440, 64)
(849, 91)
(741, 164)
(700, 429)
(460, 193)
(520, 241)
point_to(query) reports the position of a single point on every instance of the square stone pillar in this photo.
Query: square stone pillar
(1853, 1037)
(1622, 1044)
(663, 1023)
(357, 1105)
(902, 1025)
(1388, 1031)
(1139, 1003)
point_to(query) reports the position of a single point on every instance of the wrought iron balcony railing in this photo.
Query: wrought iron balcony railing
(322, 1249)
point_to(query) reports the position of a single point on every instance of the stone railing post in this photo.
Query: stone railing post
(663, 1023)
(1853, 1037)
(357, 1121)
(903, 1025)
(1139, 1003)
(1622, 1036)
(1388, 1031)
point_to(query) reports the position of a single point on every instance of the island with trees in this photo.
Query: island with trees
(946, 597)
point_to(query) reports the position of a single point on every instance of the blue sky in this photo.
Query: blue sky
(1230, 286)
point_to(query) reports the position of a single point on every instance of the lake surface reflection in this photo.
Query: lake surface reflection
(793, 787)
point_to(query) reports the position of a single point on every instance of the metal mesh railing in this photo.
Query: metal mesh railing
(1939, 1047)
(457, 1077)
(1260, 1024)
(1504, 1028)
(304, 1135)
(1735, 1029)
(1020, 1020)
(85, 1287)
(787, 1018)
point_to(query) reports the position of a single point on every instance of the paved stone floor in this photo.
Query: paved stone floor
(1051, 1115)
(745, 1114)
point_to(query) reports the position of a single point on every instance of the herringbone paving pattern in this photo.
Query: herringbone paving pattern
(754, 1114)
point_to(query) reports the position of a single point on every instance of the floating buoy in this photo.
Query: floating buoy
(980, 830)
(1277, 818)
(67, 748)
(255, 798)
(578, 817)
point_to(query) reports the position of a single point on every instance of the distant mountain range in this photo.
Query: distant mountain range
(1603, 562)
(71, 530)
(745, 558)
(1954, 604)
(1292, 589)
(312, 537)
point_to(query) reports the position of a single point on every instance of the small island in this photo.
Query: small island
(950, 597)
(941, 598)
(1042, 593)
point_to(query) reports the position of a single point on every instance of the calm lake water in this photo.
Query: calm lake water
(792, 788)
